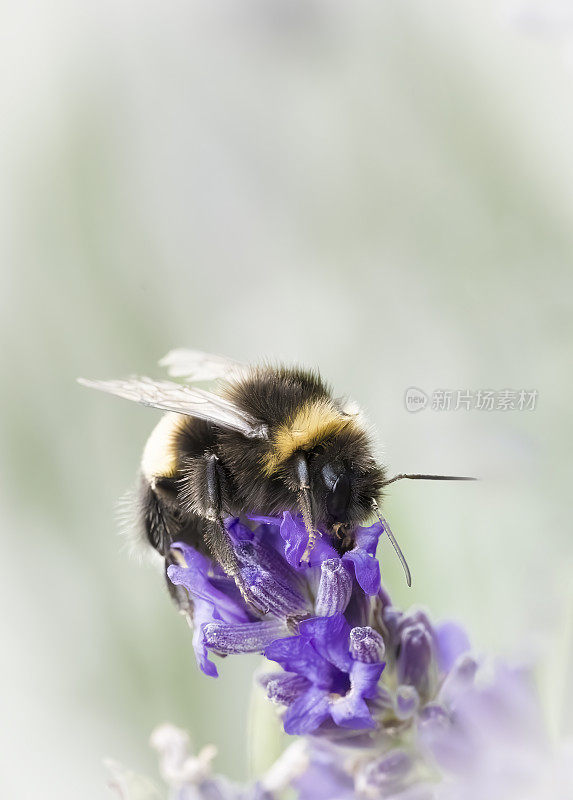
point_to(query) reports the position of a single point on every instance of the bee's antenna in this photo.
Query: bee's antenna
(428, 478)
(305, 503)
(395, 544)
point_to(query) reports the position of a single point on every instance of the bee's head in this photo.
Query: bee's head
(344, 481)
(338, 482)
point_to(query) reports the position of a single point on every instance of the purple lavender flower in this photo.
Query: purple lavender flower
(331, 670)
(269, 554)
(215, 597)
(480, 738)
(391, 705)
(328, 624)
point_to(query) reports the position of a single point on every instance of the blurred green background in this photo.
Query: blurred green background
(381, 190)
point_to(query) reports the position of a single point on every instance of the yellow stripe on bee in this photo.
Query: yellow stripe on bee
(160, 456)
(314, 422)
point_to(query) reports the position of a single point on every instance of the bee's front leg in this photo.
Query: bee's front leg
(344, 537)
(221, 549)
(216, 536)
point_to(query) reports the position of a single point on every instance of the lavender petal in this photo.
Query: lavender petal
(307, 712)
(297, 654)
(366, 568)
(329, 637)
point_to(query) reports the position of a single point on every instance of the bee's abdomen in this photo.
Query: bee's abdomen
(175, 442)
(161, 455)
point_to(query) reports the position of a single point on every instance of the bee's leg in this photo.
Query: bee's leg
(216, 537)
(158, 512)
(162, 525)
(305, 504)
(221, 548)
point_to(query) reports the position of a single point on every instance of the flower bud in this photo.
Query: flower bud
(246, 637)
(459, 679)
(284, 688)
(334, 589)
(386, 775)
(366, 645)
(415, 654)
(407, 702)
(274, 595)
(261, 556)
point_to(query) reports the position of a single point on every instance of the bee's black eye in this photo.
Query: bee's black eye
(329, 476)
(338, 498)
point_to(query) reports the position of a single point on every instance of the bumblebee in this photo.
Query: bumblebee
(271, 439)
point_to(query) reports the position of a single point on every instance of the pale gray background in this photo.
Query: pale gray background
(379, 189)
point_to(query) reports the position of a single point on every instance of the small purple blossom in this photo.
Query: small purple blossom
(481, 737)
(334, 588)
(215, 597)
(335, 677)
(361, 559)
(269, 551)
(391, 706)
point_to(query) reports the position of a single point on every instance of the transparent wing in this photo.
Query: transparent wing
(193, 402)
(194, 365)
